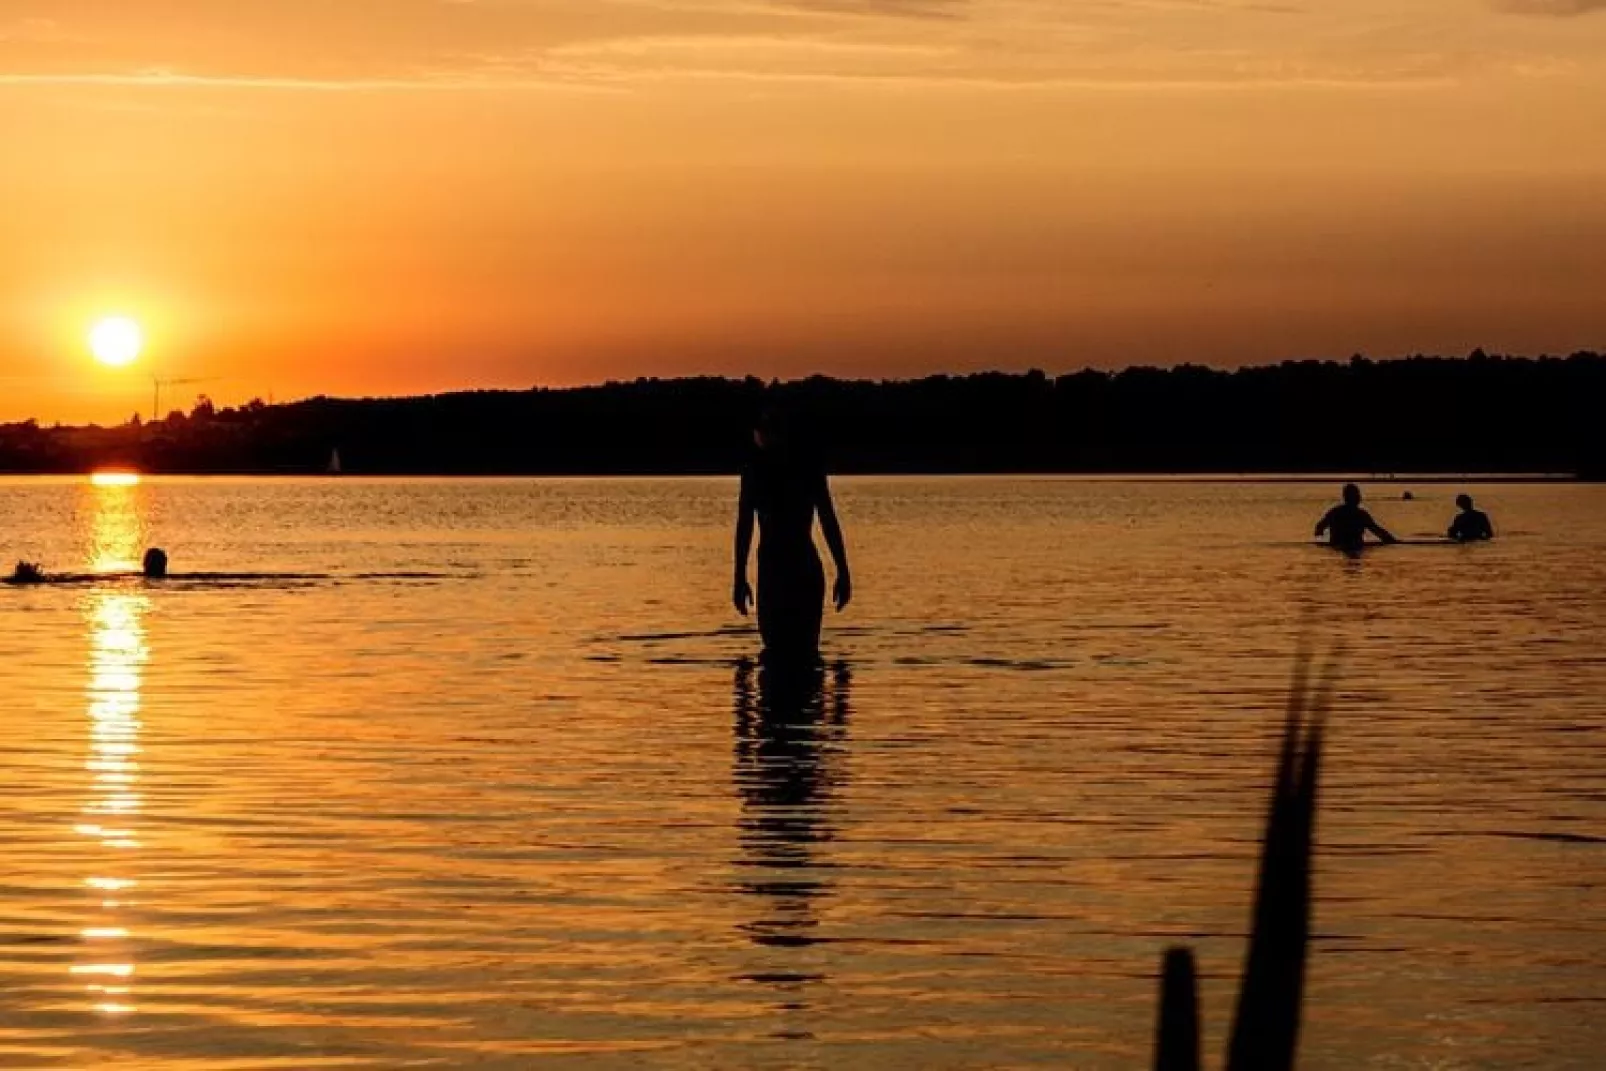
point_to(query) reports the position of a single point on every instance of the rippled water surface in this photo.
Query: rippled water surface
(489, 784)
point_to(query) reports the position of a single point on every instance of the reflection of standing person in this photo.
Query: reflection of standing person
(784, 490)
(791, 729)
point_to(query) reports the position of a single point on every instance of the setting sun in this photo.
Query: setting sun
(116, 341)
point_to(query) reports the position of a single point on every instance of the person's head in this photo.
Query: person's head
(1463, 501)
(156, 562)
(1352, 495)
(773, 431)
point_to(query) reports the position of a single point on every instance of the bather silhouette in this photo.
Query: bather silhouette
(784, 489)
(1470, 525)
(154, 567)
(28, 573)
(1346, 524)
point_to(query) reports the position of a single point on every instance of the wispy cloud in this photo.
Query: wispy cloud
(436, 46)
(1552, 8)
(31, 31)
(166, 79)
(904, 9)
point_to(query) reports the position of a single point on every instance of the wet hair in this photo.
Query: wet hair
(780, 430)
(1463, 501)
(787, 429)
(1352, 494)
(155, 562)
(772, 420)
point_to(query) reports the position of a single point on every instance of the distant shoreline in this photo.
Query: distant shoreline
(1398, 479)
(1418, 418)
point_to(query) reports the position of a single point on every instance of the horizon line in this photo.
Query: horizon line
(1476, 353)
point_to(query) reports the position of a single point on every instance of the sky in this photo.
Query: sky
(365, 197)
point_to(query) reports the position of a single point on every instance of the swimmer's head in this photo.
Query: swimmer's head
(1352, 495)
(1463, 501)
(156, 563)
(28, 573)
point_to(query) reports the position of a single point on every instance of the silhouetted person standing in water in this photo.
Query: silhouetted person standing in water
(784, 490)
(1346, 524)
(1470, 525)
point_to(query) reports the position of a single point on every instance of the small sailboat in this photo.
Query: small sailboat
(334, 462)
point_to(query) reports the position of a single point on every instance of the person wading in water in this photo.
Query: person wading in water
(784, 489)
(1346, 525)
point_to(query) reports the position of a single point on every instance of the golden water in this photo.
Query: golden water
(536, 810)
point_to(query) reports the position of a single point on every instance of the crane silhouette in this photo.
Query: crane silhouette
(157, 383)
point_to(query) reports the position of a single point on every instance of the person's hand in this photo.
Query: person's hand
(742, 595)
(844, 591)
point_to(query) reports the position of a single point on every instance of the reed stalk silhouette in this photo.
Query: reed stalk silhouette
(1265, 1030)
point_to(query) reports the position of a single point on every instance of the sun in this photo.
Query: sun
(116, 341)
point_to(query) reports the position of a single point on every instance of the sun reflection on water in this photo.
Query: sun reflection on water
(114, 478)
(117, 656)
(116, 515)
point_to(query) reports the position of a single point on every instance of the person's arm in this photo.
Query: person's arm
(831, 528)
(1325, 523)
(1378, 530)
(741, 590)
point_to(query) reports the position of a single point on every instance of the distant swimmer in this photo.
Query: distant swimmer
(154, 567)
(27, 573)
(784, 489)
(1346, 525)
(1470, 525)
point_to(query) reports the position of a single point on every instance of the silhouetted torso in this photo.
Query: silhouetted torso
(784, 492)
(1347, 526)
(1471, 525)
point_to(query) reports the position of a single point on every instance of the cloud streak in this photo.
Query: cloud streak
(163, 79)
(1551, 8)
(901, 9)
(433, 46)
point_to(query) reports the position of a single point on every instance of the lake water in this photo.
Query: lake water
(535, 811)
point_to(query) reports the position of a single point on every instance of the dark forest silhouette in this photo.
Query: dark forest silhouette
(1472, 414)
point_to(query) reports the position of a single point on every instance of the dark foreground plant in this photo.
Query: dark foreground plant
(1265, 1030)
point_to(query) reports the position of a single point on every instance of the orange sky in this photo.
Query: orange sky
(389, 196)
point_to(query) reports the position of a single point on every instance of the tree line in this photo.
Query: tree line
(1478, 413)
